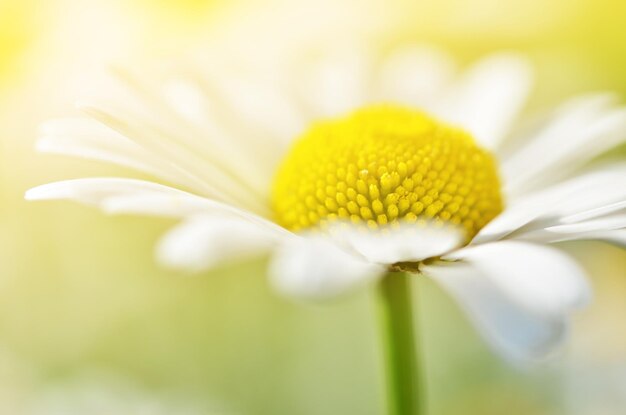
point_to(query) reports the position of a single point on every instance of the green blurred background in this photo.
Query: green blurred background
(90, 325)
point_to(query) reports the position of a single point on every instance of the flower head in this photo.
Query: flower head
(386, 165)
(340, 190)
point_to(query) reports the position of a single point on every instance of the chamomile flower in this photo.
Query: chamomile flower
(350, 167)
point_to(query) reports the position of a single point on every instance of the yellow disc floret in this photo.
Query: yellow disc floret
(384, 165)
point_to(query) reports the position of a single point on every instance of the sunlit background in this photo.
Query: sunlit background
(89, 324)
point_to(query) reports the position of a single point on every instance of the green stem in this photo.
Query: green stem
(404, 385)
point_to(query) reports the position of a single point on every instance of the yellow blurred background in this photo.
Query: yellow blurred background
(90, 325)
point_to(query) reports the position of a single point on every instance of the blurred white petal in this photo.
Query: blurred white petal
(614, 237)
(489, 97)
(261, 105)
(519, 295)
(203, 242)
(581, 129)
(605, 223)
(611, 230)
(87, 138)
(187, 99)
(129, 196)
(338, 83)
(414, 75)
(211, 105)
(213, 174)
(219, 143)
(111, 194)
(315, 268)
(406, 243)
(540, 277)
(595, 212)
(593, 190)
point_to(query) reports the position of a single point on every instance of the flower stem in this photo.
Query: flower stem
(404, 386)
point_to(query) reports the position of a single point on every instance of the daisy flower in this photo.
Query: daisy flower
(352, 167)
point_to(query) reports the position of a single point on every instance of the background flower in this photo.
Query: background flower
(73, 293)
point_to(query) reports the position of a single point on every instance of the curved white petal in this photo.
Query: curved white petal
(598, 223)
(414, 75)
(582, 129)
(87, 138)
(489, 97)
(216, 172)
(614, 237)
(315, 268)
(257, 131)
(212, 134)
(540, 277)
(605, 223)
(599, 230)
(519, 295)
(116, 195)
(124, 196)
(406, 243)
(594, 191)
(595, 212)
(259, 104)
(187, 99)
(202, 242)
(338, 83)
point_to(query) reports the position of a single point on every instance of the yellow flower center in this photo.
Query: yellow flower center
(383, 165)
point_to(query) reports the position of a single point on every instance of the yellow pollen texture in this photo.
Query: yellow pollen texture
(383, 165)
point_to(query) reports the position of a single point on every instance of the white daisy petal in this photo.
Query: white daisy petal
(511, 331)
(489, 97)
(519, 295)
(218, 181)
(565, 288)
(593, 190)
(407, 243)
(202, 242)
(92, 145)
(595, 212)
(315, 268)
(115, 195)
(129, 196)
(206, 105)
(187, 99)
(224, 147)
(86, 138)
(262, 105)
(581, 130)
(415, 75)
(605, 223)
(609, 229)
(613, 237)
(338, 83)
